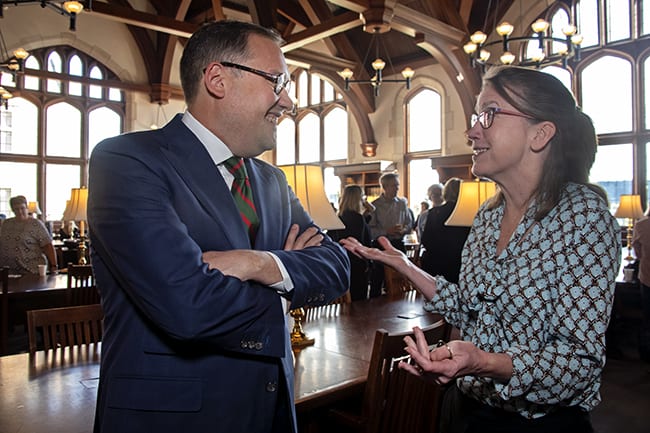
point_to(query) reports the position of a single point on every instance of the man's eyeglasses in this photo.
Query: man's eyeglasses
(280, 81)
(486, 117)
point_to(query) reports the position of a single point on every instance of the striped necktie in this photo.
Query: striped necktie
(243, 194)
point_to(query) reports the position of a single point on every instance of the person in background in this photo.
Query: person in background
(198, 247)
(391, 218)
(434, 193)
(421, 219)
(641, 244)
(69, 230)
(25, 242)
(443, 244)
(538, 269)
(351, 207)
(3, 217)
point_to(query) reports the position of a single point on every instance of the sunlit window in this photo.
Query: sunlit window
(309, 138)
(286, 138)
(54, 65)
(424, 121)
(612, 89)
(48, 132)
(609, 106)
(421, 176)
(75, 67)
(335, 129)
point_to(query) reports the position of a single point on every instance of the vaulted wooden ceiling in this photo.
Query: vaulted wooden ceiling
(324, 35)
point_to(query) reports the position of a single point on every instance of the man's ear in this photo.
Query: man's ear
(214, 80)
(543, 133)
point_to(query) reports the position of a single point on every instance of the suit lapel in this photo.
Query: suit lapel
(193, 164)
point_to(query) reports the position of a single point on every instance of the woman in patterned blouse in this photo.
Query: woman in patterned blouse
(538, 269)
(25, 243)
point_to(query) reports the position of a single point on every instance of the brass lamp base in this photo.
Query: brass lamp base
(298, 337)
(82, 252)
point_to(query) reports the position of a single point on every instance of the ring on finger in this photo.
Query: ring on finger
(446, 346)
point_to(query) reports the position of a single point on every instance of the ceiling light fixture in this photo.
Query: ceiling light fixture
(378, 66)
(550, 50)
(69, 9)
(13, 66)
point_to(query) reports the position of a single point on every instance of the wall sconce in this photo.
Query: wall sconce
(629, 207)
(76, 211)
(471, 196)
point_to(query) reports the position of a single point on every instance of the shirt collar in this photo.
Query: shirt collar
(217, 149)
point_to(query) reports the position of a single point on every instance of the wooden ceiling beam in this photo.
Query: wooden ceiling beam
(145, 20)
(336, 25)
(217, 10)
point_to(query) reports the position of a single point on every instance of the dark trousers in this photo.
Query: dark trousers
(377, 270)
(461, 414)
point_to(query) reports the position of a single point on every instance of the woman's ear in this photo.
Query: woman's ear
(543, 133)
(214, 80)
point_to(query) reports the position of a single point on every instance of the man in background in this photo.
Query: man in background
(391, 218)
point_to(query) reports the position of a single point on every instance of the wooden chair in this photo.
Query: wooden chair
(65, 327)
(4, 310)
(81, 286)
(394, 401)
(395, 283)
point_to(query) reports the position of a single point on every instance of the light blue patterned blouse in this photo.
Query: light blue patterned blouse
(545, 301)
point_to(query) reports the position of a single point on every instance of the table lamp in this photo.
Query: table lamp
(306, 181)
(471, 196)
(33, 209)
(629, 207)
(76, 211)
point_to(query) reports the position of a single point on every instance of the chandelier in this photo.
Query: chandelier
(69, 9)
(12, 66)
(546, 49)
(378, 66)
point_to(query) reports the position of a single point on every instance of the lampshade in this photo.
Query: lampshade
(32, 207)
(75, 209)
(307, 183)
(629, 207)
(471, 196)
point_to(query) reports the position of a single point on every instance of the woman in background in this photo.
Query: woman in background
(25, 243)
(351, 208)
(443, 244)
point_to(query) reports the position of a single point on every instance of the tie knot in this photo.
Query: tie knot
(236, 167)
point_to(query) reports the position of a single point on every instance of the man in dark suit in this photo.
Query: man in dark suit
(195, 334)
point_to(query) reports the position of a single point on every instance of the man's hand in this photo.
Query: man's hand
(309, 238)
(259, 265)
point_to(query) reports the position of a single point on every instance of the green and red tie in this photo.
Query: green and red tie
(243, 195)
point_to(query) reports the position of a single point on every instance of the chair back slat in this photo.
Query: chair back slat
(65, 327)
(394, 400)
(81, 285)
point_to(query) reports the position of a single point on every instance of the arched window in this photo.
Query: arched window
(423, 140)
(612, 48)
(317, 132)
(52, 124)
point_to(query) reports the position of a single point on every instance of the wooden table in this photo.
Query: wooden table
(48, 395)
(33, 292)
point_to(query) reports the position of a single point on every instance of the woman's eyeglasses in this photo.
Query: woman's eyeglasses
(280, 81)
(486, 117)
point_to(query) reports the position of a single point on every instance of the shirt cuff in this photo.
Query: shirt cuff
(286, 285)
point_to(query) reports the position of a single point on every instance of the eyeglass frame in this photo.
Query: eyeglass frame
(276, 79)
(476, 118)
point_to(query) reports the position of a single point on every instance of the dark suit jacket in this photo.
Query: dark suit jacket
(443, 244)
(187, 349)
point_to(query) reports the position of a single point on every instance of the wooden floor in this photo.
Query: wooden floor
(625, 389)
